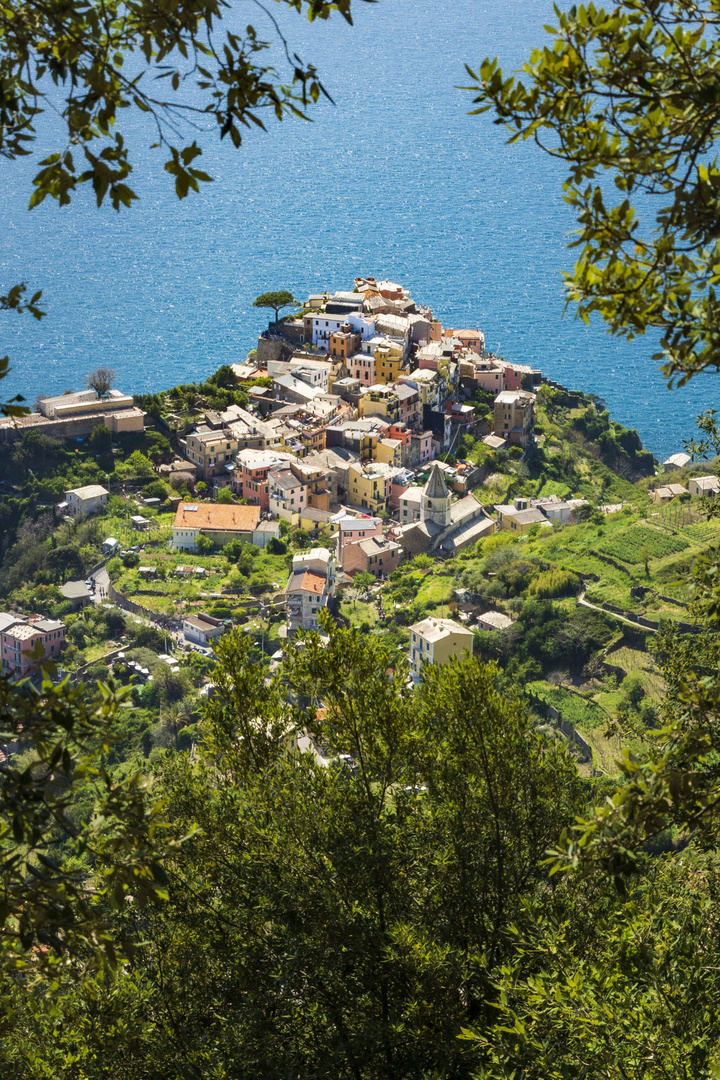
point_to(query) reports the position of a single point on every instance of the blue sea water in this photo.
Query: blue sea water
(393, 180)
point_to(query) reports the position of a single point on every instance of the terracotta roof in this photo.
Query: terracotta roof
(217, 517)
(309, 581)
(312, 582)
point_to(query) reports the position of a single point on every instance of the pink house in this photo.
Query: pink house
(513, 378)
(422, 450)
(375, 555)
(490, 376)
(362, 367)
(19, 639)
(252, 479)
(408, 404)
(352, 529)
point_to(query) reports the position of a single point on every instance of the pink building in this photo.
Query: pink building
(490, 376)
(362, 367)
(375, 555)
(19, 639)
(513, 378)
(252, 479)
(352, 529)
(422, 450)
(408, 404)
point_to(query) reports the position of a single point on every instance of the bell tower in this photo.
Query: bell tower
(435, 499)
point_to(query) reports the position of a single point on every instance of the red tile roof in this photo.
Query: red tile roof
(312, 582)
(217, 517)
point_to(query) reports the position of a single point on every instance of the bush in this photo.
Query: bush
(423, 562)
(100, 440)
(275, 546)
(114, 623)
(300, 538)
(224, 496)
(553, 583)
(147, 637)
(633, 690)
(155, 490)
(131, 560)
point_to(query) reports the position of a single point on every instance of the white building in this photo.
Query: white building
(494, 620)
(410, 505)
(705, 486)
(202, 629)
(323, 325)
(677, 461)
(86, 500)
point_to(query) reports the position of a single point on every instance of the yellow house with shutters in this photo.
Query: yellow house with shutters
(388, 361)
(437, 641)
(367, 487)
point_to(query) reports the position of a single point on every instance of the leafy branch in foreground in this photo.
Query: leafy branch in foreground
(108, 56)
(631, 91)
(62, 873)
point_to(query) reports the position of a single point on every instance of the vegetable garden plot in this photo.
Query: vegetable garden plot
(631, 545)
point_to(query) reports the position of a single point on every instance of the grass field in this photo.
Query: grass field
(583, 713)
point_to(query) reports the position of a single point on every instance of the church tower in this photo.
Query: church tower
(435, 499)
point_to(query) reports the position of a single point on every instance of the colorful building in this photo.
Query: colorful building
(25, 644)
(437, 641)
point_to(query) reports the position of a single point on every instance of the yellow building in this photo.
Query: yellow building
(436, 641)
(518, 518)
(367, 486)
(380, 400)
(388, 361)
(389, 450)
(211, 450)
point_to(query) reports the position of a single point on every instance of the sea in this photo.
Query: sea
(392, 179)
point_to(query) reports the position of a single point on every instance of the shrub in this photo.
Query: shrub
(114, 623)
(275, 546)
(131, 560)
(300, 538)
(155, 490)
(224, 496)
(423, 562)
(553, 583)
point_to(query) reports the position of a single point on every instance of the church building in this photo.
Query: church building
(445, 526)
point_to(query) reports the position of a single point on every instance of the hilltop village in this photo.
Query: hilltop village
(363, 460)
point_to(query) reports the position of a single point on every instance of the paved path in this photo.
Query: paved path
(613, 614)
(102, 585)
